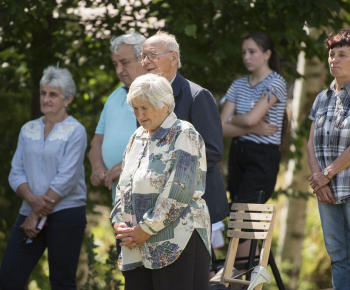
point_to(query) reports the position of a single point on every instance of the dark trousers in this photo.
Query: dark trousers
(62, 237)
(252, 167)
(189, 272)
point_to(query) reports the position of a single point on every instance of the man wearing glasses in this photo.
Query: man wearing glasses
(117, 121)
(161, 55)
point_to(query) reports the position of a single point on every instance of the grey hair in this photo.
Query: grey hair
(59, 77)
(154, 89)
(133, 38)
(170, 43)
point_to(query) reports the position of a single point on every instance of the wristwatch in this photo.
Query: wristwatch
(325, 173)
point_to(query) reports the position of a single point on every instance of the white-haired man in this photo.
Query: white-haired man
(161, 55)
(117, 121)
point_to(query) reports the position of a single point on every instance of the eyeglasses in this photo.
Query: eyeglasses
(152, 55)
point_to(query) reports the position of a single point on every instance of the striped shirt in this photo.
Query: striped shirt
(331, 116)
(246, 96)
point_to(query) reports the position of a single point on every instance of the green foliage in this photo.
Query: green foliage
(36, 33)
(100, 275)
(298, 141)
(33, 35)
(210, 39)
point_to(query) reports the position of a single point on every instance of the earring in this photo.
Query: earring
(66, 105)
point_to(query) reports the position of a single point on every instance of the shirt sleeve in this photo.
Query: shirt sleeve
(101, 126)
(17, 174)
(231, 94)
(116, 213)
(314, 108)
(100, 129)
(278, 87)
(68, 168)
(187, 173)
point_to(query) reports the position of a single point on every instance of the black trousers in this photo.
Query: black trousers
(252, 167)
(189, 272)
(62, 237)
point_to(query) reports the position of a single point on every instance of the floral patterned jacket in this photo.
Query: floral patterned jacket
(161, 188)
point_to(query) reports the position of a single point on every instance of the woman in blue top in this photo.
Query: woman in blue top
(48, 174)
(253, 116)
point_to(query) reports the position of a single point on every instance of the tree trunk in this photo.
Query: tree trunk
(292, 231)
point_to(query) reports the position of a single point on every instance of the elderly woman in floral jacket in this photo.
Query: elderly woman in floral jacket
(160, 217)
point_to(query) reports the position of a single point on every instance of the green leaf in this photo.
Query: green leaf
(190, 29)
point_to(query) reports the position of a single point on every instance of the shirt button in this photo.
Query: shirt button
(330, 120)
(327, 132)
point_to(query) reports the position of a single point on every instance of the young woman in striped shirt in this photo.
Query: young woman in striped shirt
(253, 116)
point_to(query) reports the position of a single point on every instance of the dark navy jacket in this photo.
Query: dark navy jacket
(197, 106)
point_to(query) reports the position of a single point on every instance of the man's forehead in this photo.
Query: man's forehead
(123, 51)
(153, 43)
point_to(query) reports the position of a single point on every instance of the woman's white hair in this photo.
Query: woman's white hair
(153, 89)
(59, 77)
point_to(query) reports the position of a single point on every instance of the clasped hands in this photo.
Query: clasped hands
(106, 177)
(320, 187)
(130, 236)
(42, 205)
(29, 225)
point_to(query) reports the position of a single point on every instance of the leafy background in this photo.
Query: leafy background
(75, 34)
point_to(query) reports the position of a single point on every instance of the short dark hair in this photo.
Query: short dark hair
(342, 38)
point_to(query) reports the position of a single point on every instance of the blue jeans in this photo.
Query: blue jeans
(62, 237)
(335, 219)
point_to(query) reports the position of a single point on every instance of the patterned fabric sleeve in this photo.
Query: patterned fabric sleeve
(116, 213)
(314, 108)
(186, 171)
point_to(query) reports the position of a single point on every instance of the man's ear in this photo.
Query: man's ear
(174, 58)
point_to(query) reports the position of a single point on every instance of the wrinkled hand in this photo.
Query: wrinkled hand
(112, 175)
(318, 180)
(325, 195)
(42, 205)
(122, 231)
(132, 238)
(29, 225)
(139, 236)
(98, 177)
(265, 129)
